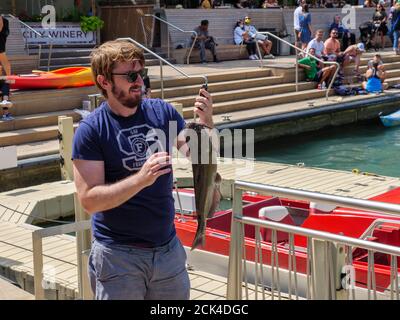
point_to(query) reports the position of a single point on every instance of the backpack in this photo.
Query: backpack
(343, 91)
(6, 28)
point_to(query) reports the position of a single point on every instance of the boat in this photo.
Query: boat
(344, 221)
(71, 77)
(391, 120)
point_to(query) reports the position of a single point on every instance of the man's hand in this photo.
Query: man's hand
(203, 108)
(157, 165)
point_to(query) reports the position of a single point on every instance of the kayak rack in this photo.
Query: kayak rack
(40, 44)
(162, 60)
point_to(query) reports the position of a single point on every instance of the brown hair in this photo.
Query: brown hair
(104, 58)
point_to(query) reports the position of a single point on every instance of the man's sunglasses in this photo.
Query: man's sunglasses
(131, 76)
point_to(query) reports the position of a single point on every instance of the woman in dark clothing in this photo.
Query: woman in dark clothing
(344, 34)
(4, 32)
(379, 19)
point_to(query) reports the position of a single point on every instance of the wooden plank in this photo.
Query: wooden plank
(9, 291)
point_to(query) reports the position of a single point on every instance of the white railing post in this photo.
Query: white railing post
(66, 133)
(38, 265)
(235, 274)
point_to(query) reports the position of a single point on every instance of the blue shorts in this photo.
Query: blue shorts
(119, 272)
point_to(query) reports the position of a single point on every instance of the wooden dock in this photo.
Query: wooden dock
(335, 182)
(60, 259)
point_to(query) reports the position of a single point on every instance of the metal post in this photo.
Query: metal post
(66, 131)
(83, 244)
(168, 45)
(320, 270)
(235, 274)
(178, 107)
(297, 72)
(162, 80)
(38, 265)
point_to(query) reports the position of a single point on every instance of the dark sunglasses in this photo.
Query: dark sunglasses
(131, 76)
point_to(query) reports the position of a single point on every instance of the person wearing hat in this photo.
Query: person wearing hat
(262, 39)
(353, 55)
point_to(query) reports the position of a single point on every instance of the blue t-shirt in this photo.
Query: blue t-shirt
(123, 143)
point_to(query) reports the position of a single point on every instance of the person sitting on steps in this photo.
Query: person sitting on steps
(375, 76)
(5, 95)
(310, 66)
(242, 37)
(205, 41)
(264, 43)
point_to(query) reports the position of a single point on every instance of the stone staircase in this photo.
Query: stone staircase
(238, 94)
(79, 56)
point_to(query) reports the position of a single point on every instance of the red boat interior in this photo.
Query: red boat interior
(344, 221)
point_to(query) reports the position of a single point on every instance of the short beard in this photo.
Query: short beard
(125, 99)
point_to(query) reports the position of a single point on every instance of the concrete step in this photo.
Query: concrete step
(212, 78)
(388, 66)
(255, 92)
(36, 120)
(218, 86)
(55, 67)
(252, 103)
(38, 149)
(42, 101)
(66, 61)
(26, 136)
(64, 53)
(156, 62)
(393, 73)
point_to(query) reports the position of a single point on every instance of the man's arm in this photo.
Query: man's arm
(95, 195)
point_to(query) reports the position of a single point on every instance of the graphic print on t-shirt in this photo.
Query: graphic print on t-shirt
(137, 144)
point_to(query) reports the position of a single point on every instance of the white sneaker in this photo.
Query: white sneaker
(251, 57)
(5, 104)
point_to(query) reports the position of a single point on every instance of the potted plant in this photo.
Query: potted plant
(91, 23)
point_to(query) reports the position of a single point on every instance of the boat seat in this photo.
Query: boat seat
(276, 214)
(321, 208)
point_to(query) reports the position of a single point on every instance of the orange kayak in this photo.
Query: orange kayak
(72, 77)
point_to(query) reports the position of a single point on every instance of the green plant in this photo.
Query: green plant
(92, 23)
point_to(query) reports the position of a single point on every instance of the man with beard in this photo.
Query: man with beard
(126, 186)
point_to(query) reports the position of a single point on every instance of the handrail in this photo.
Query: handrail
(375, 224)
(166, 62)
(40, 45)
(297, 60)
(322, 277)
(321, 235)
(37, 245)
(386, 208)
(176, 28)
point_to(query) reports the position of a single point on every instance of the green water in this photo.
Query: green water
(367, 146)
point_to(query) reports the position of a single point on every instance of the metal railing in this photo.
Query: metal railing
(377, 223)
(297, 60)
(39, 45)
(37, 244)
(322, 270)
(162, 60)
(169, 24)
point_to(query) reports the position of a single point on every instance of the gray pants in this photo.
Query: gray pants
(203, 45)
(126, 273)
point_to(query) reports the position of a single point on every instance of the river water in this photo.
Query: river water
(367, 146)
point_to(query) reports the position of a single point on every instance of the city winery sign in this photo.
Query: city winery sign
(63, 34)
